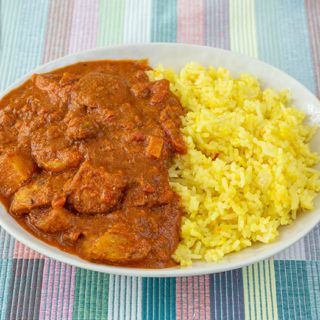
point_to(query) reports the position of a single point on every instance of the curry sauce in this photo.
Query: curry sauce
(84, 155)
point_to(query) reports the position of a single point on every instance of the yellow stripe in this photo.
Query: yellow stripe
(273, 289)
(257, 289)
(260, 296)
(245, 292)
(243, 37)
(268, 289)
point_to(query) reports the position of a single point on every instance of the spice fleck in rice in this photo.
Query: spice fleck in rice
(249, 168)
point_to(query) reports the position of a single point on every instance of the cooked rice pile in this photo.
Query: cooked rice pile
(248, 169)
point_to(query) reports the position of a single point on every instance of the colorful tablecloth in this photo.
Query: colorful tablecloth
(285, 33)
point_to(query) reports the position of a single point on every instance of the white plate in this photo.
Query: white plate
(176, 56)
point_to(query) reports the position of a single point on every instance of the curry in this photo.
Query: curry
(84, 155)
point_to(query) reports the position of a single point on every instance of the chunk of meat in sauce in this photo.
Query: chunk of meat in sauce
(97, 89)
(58, 88)
(150, 190)
(80, 125)
(52, 150)
(94, 190)
(16, 168)
(169, 125)
(41, 191)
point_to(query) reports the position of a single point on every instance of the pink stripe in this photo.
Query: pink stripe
(84, 27)
(178, 298)
(57, 293)
(207, 295)
(20, 251)
(197, 307)
(190, 298)
(193, 298)
(190, 21)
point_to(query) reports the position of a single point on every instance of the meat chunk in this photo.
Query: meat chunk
(16, 168)
(140, 89)
(154, 147)
(57, 87)
(40, 192)
(97, 89)
(52, 150)
(174, 135)
(159, 91)
(120, 244)
(52, 220)
(81, 127)
(150, 190)
(94, 190)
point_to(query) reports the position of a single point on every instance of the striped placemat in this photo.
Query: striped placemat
(285, 33)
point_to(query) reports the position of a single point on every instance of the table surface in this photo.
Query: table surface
(284, 33)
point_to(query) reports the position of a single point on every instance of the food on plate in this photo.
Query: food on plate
(248, 169)
(84, 158)
(125, 165)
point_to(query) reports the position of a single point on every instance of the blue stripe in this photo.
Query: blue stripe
(6, 244)
(293, 297)
(313, 268)
(158, 298)
(23, 35)
(25, 291)
(6, 279)
(216, 22)
(283, 39)
(311, 244)
(164, 21)
(226, 295)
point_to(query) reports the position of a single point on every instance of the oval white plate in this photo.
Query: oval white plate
(176, 56)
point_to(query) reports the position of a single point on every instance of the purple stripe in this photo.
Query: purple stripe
(58, 29)
(216, 21)
(57, 291)
(226, 295)
(313, 14)
(84, 25)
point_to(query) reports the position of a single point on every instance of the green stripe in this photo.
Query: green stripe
(292, 289)
(243, 37)
(283, 38)
(91, 295)
(111, 22)
(164, 21)
(158, 298)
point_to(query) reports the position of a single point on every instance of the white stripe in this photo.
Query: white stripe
(111, 296)
(137, 22)
(139, 298)
(125, 298)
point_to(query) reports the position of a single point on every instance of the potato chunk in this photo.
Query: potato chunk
(40, 192)
(54, 220)
(120, 244)
(93, 189)
(16, 168)
(154, 147)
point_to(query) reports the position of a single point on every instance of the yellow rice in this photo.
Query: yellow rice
(249, 168)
